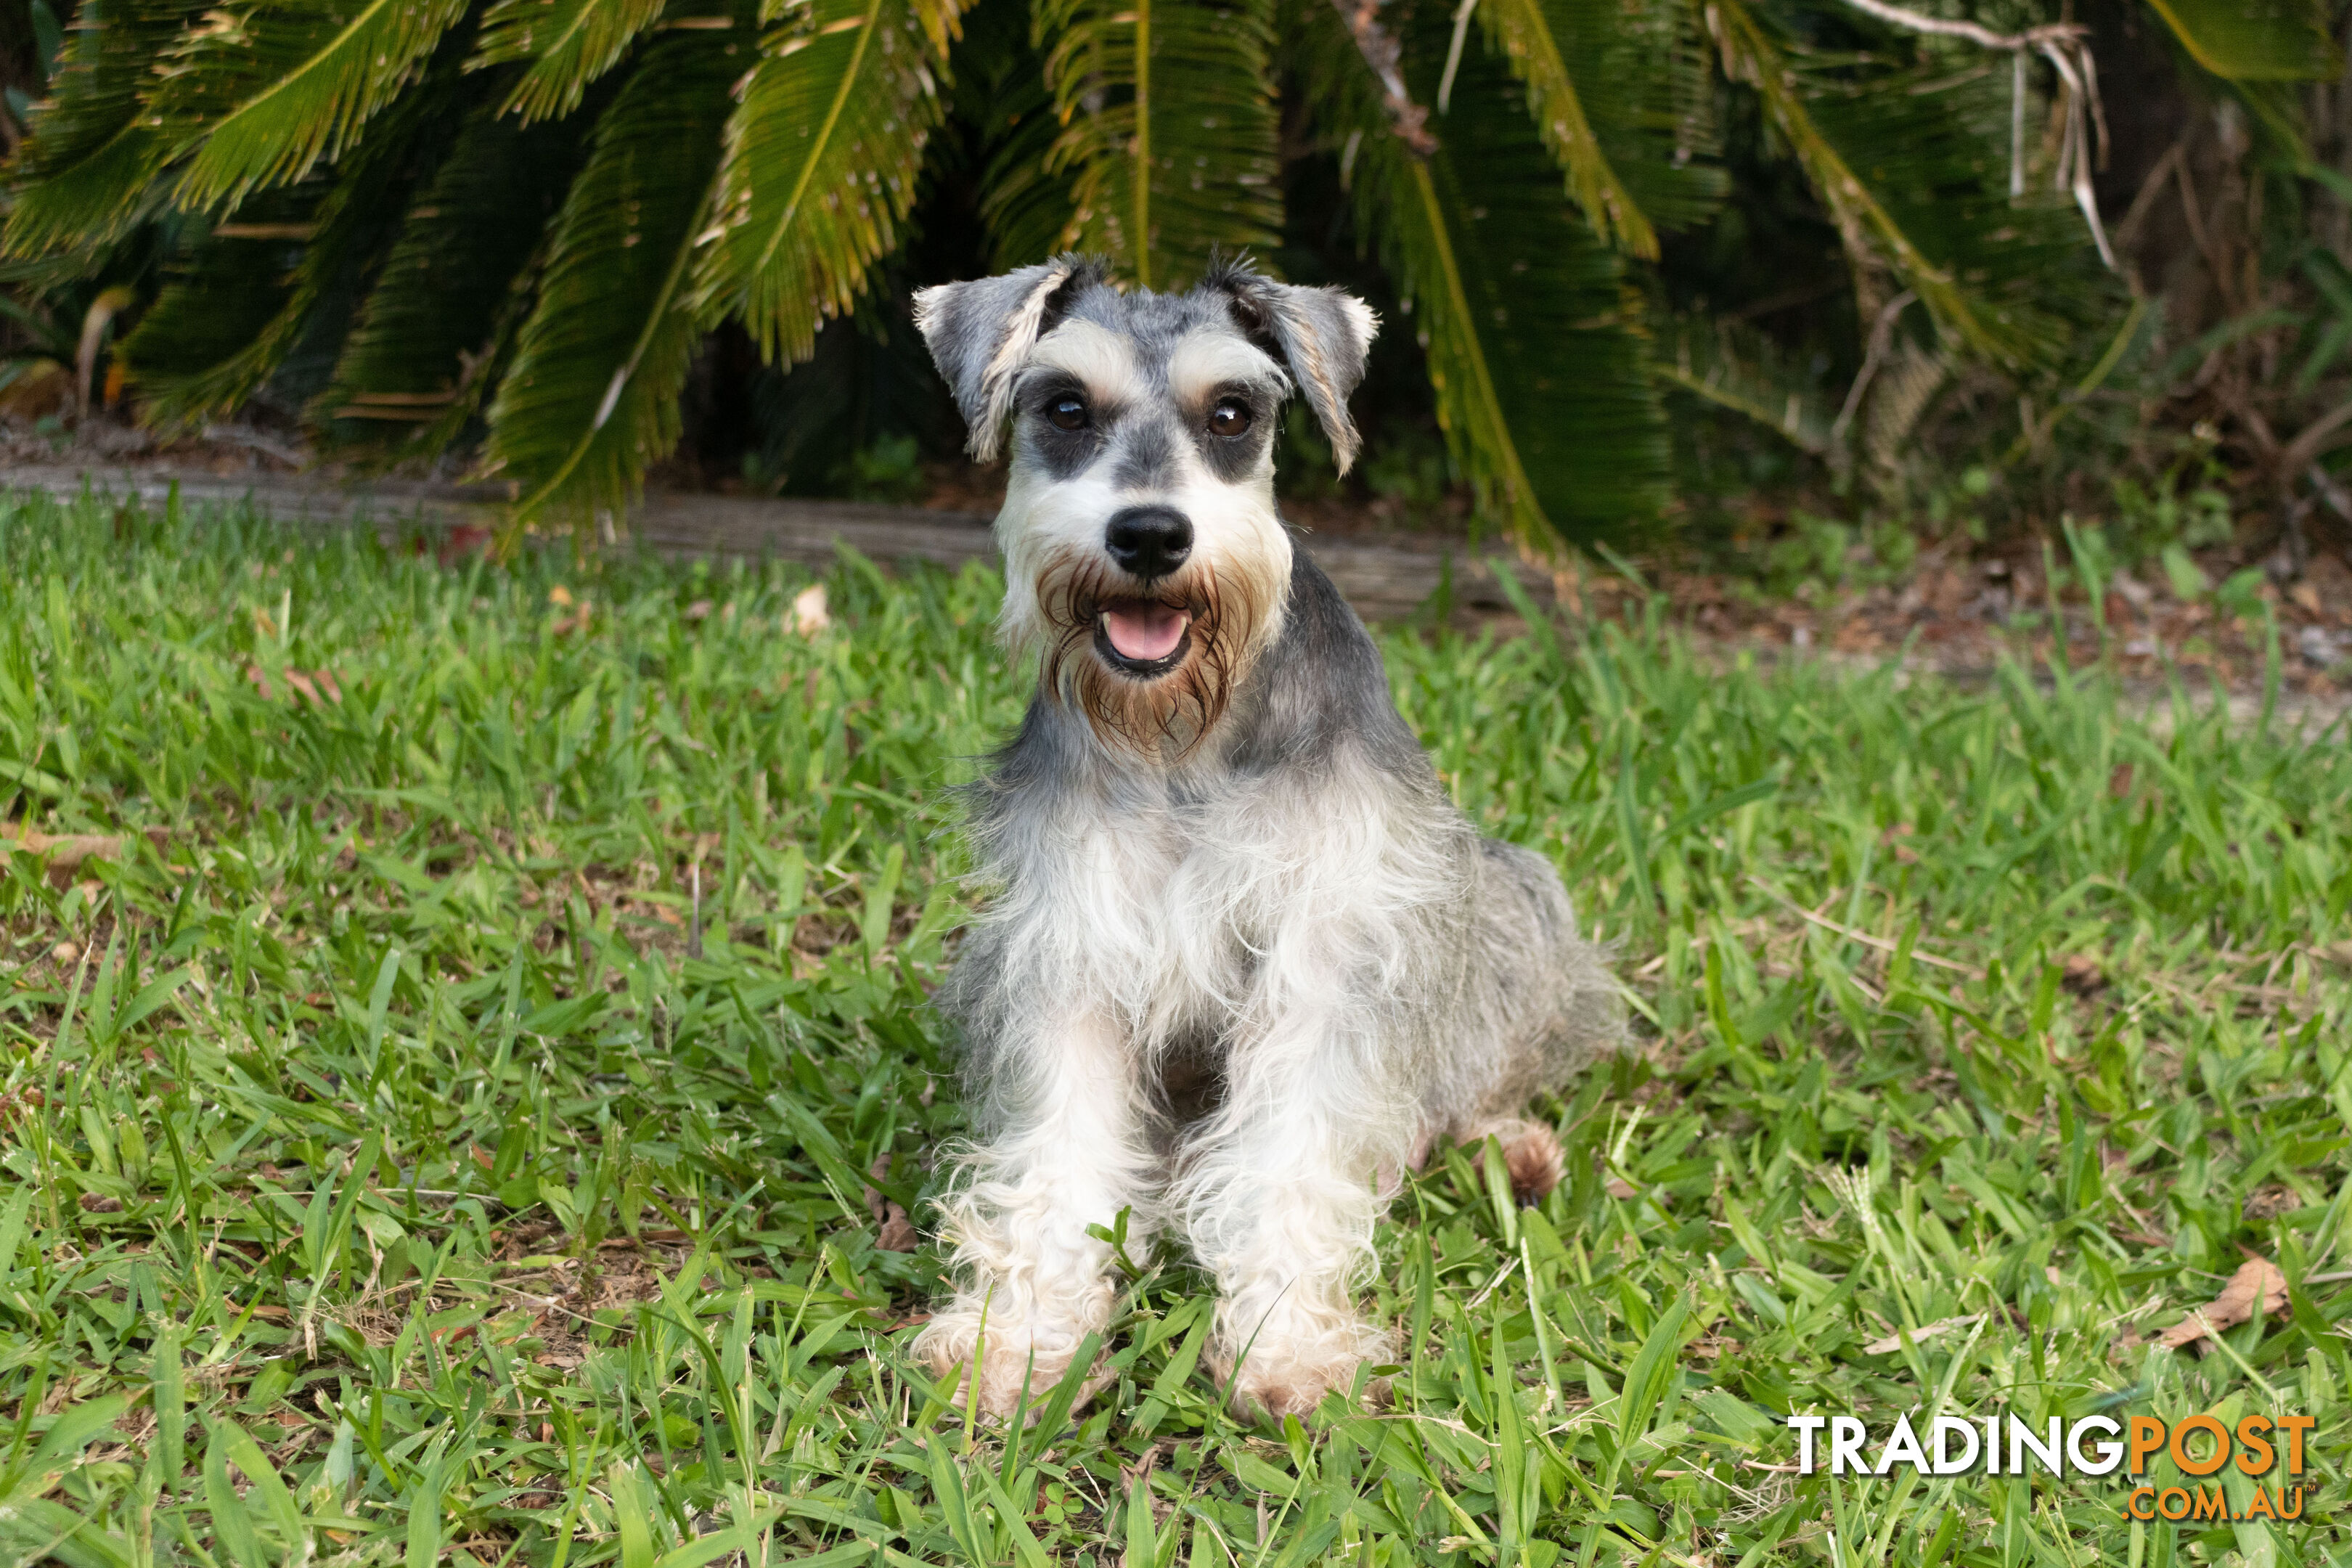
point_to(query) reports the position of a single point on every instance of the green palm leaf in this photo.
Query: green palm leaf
(1532, 334)
(1645, 73)
(1170, 129)
(569, 43)
(591, 397)
(1746, 373)
(226, 317)
(1521, 30)
(1026, 205)
(1870, 231)
(425, 350)
(82, 178)
(820, 163)
(2021, 279)
(2255, 40)
(217, 333)
(1602, 80)
(1001, 95)
(306, 77)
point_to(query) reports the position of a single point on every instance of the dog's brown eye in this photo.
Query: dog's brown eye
(1229, 418)
(1066, 414)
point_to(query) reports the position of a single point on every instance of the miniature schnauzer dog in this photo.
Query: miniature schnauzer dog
(1245, 960)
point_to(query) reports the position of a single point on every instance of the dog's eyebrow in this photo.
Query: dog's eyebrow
(1203, 360)
(1097, 356)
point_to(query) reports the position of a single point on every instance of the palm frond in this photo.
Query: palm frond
(1804, 108)
(569, 43)
(1000, 93)
(1921, 141)
(1646, 70)
(228, 313)
(217, 335)
(305, 76)
(83, 178)
(820, 163)
(1899, 396)
(1620, 97)
(2256, 40)
(420, 360)
(1745, 372)
(1168, 129)
(591, 397)
(1533, 336)
(1027, 206)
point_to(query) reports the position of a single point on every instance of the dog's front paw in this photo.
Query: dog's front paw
(1276, 1380)
(1007, 1369)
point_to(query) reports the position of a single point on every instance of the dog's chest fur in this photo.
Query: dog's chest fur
(1299, 844)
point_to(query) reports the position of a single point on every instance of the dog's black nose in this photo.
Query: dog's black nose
(1149, 541)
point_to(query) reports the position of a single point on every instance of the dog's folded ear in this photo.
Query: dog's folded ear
(1322, 335)
(980, 332)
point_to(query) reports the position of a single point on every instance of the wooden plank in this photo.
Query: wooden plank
(1386, 580)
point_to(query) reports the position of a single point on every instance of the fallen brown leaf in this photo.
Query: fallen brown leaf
(1893, 1343)
(2272, 1200)
(462, 541)
(898, 1232)
(65, 850)
(2258, 1280)
(318, 684)
(810, 614)
(2083, 974)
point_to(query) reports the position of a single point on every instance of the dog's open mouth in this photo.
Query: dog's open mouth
(1141, 637)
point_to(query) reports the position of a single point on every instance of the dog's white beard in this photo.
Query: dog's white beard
(1057, 576)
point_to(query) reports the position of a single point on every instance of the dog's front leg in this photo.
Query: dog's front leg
(1280, 1199)
(1069, 1153)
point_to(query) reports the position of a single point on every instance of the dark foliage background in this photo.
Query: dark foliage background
(444, 267)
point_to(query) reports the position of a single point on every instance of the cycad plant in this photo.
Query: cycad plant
(505, 226)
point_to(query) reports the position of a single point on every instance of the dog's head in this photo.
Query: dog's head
(1142, 553)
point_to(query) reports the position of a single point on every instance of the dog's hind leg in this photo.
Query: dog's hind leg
(1070, 1152)
(1531, 1154)
(1539, 1006)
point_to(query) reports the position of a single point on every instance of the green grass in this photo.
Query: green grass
(388, 1181)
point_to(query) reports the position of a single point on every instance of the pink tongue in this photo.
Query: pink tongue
(1145, 632)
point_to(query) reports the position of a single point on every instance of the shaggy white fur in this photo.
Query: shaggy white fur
(1244, 960)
